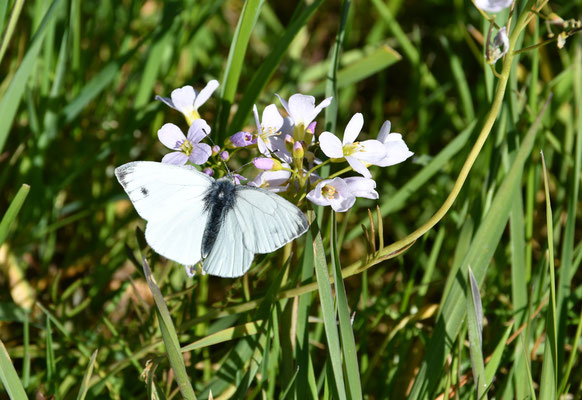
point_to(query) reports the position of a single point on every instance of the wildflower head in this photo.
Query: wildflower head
(355, 153)
(187, 100)
(340, 193)
(302, 111)
(185, 148)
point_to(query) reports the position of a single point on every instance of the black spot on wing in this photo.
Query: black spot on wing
(144, 191)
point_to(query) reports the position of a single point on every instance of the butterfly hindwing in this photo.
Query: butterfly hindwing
(270, 221)
(229, 258)
(170, 198)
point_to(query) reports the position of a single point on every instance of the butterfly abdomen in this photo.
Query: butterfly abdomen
(218, 201)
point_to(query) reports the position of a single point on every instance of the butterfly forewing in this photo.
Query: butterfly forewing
(170, 198)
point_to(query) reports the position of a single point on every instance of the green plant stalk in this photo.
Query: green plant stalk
(236, 55)
(16, 9)
(350, 355)
(12, 212)
(9, 377)
(549, 383)
(169, 336)
(328, 311)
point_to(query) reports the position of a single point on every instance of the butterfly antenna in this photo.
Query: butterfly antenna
(214, 144)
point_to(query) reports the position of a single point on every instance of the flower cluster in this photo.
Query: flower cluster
(287, 148)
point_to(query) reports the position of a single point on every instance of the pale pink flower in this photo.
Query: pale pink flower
(187, 100)
(186, 148)
(341, 194)
(356, 153)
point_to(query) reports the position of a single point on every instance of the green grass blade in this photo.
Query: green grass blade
(302, 355)
(350, 355)
(549, 380)
(290, 385)
(518, 289)
(479, 256)
(12, 212)
(152, 67)
(568, 242)
(268, 67)
(9, 377)
(169, 335)
(87, 377)
(51, 367)
(11, 99)
(475, 329)
(330, 85)
(16, 9)
(225, 335)
(372, 63)
(495, 360)
(234, 63)
(328, 311)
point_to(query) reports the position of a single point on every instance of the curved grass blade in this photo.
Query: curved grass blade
(169, 335)
(87, 377)
(350, 355)
(549, 380)
(11, 99)
(236, 56)
(12, 212)
(16, 9)
(475, 330)
(266, 70)
(9, 377)
(328, 311)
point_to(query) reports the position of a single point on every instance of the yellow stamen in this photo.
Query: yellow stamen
(186, 147)
(352, 148)
(328, 191)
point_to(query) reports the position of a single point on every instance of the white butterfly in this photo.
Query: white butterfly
(192, 217)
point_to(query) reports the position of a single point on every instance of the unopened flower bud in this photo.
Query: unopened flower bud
(224, 156)
(215, 150)
(267, 164)
(242, 139)
(208, 171)
(289, 141)
(298, 150)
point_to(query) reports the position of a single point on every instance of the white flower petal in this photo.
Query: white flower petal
(198, 131)
(183, 99)
(384, 131)
(493, 5)
(353, 128)
(175, 158)
(326, 102)
(331, 145)
(371, 151)
(316, 197)
(171, 136)
(272, 118)
(205, 93)
(301, 107)
(284, 104)
(396, 151)
(362, 187)
(166, 100)
(358, 166)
